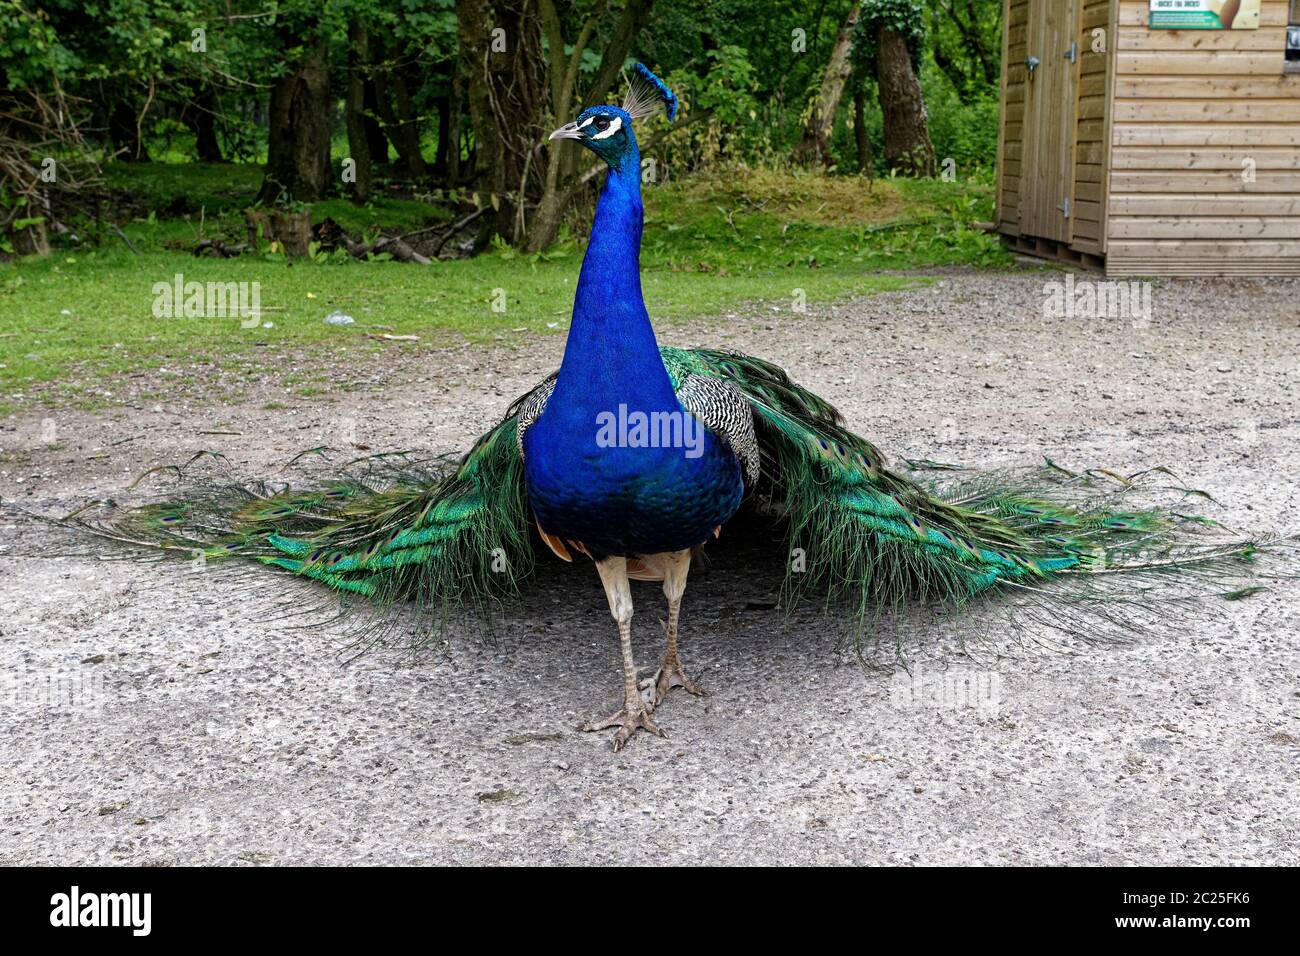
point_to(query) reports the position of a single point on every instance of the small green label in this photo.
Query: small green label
(1184, 20)
(1204, 14)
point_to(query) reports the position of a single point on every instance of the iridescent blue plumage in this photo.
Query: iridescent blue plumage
(629, 498)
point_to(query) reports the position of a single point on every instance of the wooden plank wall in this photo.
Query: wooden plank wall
(1091, 158)
(1047, 175)
(1189, 107)
(1012, 134)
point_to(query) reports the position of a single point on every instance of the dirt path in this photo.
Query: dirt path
(149, 718)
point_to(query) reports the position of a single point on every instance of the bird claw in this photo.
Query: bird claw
(628, 722)
(669, 675)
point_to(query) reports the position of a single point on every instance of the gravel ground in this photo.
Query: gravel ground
(151, 715)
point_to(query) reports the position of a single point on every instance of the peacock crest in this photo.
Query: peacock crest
(647, 94)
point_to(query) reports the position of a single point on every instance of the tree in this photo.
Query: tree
(564, 78)
(888, 43)
(861, 136)
(474, 19)
(396, 105)
(42, 153)
(562, 178)
(200, 115)
(125, 120)
(814, 147)
(354, 109)
(965, 37)
(518, 90)
(401, 63)
(298, 126)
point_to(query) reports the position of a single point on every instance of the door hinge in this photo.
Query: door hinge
(1065, 208)
(1072, 54)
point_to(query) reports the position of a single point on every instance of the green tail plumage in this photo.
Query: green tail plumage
(443, 538)
(874, 538)
(446, 538)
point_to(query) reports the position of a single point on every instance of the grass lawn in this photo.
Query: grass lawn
(71, 323)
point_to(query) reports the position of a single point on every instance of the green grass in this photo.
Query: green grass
(72, 325)
(176, 188)
(173, 206)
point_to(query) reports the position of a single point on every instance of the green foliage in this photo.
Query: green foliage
(963, 128)
(30, 52)
(713, 244)
(965, 41)
(904, 17)
(753, 68)
(726, 91)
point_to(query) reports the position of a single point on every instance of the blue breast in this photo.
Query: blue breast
(627, 500)
(633, 494)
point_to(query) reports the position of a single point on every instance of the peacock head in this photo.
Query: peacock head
(607, 130)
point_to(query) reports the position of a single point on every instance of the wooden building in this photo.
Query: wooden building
(1131, 140)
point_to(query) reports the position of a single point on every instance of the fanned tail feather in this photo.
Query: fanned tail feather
(1075, 551)
(1076, 548)
(434, 536)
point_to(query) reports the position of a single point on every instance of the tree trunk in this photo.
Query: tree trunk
(30, 240)
(354, 106)
(815, 145)
(951, 69)
(201, 117)
(861, 137)
(453, 126)
(292, 230)
(979, 49)
(393, 103)
(907, 133)
(507, 101)
(472, 24)
(443, 105)
(298, 130)
(557, 187)
(376, 141)
(516, 96)
(634, 17)
(123, 130)
(404, 128)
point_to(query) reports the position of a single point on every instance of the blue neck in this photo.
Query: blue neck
(611, 355)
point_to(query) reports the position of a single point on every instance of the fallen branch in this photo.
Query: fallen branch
(458, 227)
(124, 238)
(219, 249)
(399, 250)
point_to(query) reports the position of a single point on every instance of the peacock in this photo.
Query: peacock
(635, 456)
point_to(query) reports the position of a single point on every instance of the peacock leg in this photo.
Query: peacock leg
(670, 674)
(634, 713)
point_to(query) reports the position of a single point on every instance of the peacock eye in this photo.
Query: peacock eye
(602, 123)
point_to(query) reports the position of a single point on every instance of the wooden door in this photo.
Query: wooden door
(1050, 103)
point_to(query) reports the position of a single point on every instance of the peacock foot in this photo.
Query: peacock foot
(628, 720)
(668, 676)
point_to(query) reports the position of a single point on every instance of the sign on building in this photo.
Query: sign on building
(1204, 15)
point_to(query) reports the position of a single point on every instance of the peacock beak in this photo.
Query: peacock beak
(569, 131)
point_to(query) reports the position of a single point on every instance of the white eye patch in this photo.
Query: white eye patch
(587, 122)
(614, 127)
